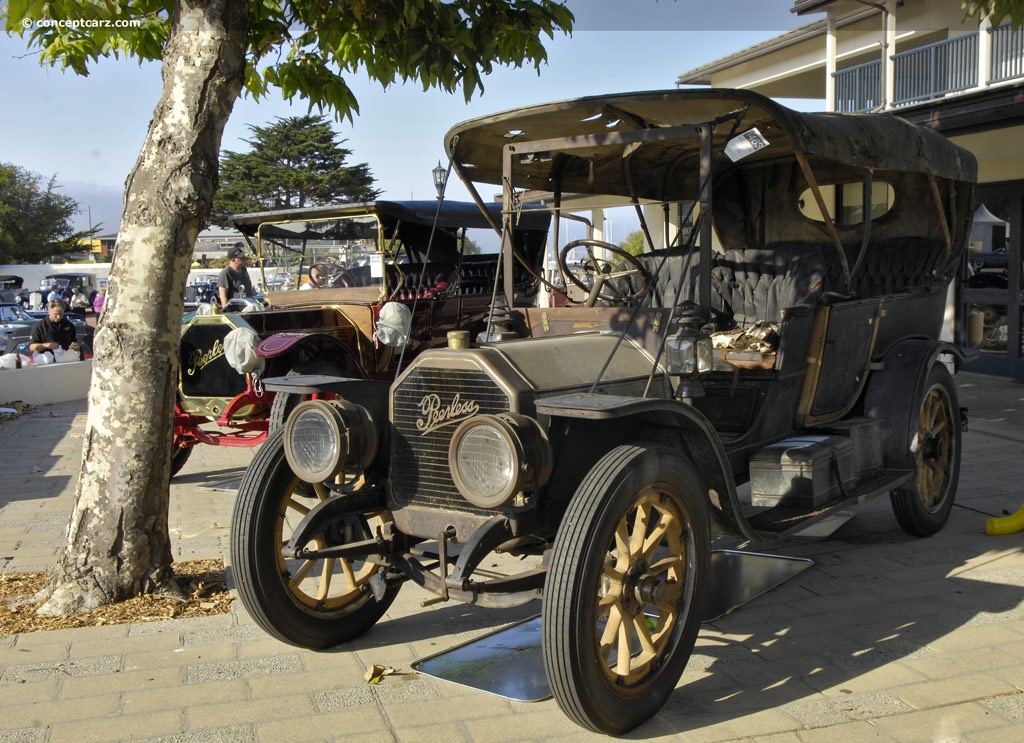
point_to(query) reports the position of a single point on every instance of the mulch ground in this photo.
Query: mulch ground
(202, 582)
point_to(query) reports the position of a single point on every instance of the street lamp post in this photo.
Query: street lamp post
(440, 178)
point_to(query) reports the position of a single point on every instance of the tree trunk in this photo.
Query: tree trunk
(118, 543)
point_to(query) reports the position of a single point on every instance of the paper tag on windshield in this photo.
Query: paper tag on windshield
(377, 266)
(744, 144)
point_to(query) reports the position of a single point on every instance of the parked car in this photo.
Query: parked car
(202, 290)
(786, 342)
(372, 252)
(16, 326)
(67, 283)
(12, 289)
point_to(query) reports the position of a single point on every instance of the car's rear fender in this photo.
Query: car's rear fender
(895, 388)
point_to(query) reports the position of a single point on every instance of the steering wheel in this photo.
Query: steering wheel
(595, 275)
(333, 275)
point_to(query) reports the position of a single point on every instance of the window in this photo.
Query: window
(845, 202)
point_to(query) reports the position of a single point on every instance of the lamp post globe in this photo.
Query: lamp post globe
(440, 178)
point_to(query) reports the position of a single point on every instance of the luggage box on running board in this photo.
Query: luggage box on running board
(804, 472)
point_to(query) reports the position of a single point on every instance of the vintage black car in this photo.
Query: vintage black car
(68, 282)
(411, 253)
(775, 361)
(12, 289)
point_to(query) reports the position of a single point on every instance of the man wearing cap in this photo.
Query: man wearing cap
(234, 280)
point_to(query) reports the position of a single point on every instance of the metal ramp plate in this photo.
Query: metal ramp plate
(230, 485)
(508, 661)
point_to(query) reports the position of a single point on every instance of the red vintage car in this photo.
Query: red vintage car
(440, 263)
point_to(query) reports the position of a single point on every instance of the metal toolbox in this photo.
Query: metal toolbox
(866, 434)
(803, 472)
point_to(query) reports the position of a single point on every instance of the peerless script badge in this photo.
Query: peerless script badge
(199, 358)
(435, 417)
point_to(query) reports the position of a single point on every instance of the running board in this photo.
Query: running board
(783, 521)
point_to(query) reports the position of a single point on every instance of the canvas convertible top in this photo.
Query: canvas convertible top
(453, 215)
(646, 144)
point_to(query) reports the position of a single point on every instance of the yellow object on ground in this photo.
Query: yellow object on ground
(1005, 524)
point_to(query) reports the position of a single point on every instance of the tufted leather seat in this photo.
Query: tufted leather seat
(898, 265)
(419, 283)
(756, 284)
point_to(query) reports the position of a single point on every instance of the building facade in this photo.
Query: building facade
(920, 59)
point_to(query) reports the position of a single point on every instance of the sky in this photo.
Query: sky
(87, 131)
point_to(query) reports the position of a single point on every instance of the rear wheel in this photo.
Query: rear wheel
(311, 603)
(626, 587)
(923, 507)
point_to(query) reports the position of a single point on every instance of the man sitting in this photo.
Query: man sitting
(53, 331)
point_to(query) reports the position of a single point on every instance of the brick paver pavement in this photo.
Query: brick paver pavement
(886, 638)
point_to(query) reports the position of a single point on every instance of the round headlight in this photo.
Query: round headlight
(325, 437)
(493, 457)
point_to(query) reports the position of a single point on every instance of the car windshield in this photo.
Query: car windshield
(14, 313)
(376, 244)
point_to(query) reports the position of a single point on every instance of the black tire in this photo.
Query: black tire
(590, 586)
(289, 598)
(284, 403)
(179, 456)
(923, 507)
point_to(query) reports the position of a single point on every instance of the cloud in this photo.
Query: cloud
(101, 204)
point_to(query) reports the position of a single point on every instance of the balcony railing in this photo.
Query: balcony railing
(1007, 54)
(935, 70)
(931, 71)
(859, 88)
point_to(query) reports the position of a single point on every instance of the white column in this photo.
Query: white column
(888, 50)
(831, 46)
(597, 219)
(984, 52)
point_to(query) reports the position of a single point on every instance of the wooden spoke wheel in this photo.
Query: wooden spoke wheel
(312, 603)
(923, 507)
(626, 587)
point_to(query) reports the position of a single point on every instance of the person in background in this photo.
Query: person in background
(53, 331)
(98, 300)
(79, 301)
(54, 294)
(316, 279)
(234, 280)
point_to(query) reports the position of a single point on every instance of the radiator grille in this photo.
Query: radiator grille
(205, 371)
(419, 473)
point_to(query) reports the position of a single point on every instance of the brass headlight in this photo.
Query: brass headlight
(493, 457)
(325, 437)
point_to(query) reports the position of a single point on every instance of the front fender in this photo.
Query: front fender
(279, 344)
(670, 421)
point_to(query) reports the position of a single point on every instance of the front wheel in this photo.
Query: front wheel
(313, 603)
(923, 507)
(179, 455)
(626, 587)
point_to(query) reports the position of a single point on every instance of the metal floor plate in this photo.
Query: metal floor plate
(508, 661)
(229, 485)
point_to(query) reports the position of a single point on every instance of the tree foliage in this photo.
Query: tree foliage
(35, 220)
(997, 10)
(295, 162)
(306, 48)
(634, 243)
